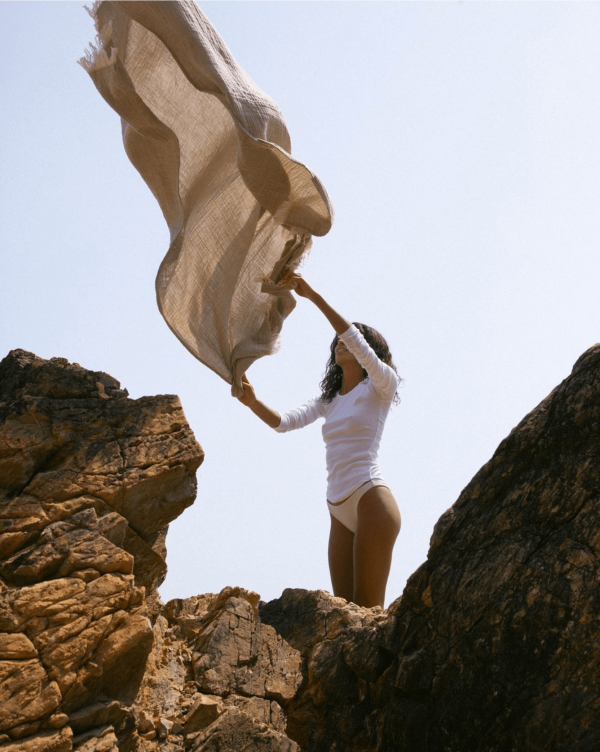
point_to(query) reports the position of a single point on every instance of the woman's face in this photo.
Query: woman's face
(343, 356)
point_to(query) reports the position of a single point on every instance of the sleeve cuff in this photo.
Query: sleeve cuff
(282, 427)
(350, 333)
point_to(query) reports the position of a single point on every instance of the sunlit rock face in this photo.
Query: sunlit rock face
(89, 481)
(217, 678)
(493, 646)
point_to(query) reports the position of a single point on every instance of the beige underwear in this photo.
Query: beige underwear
(346, 511)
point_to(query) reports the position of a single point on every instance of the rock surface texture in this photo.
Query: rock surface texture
(89, 481)
(494, 645)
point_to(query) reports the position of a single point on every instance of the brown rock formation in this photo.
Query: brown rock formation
(89, 480)
(494, 645)
(217, 678)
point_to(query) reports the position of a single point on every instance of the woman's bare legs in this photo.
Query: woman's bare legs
(376, 532)
(360, 563)
(341, 545)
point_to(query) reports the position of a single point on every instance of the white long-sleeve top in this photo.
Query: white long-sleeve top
(353, 422)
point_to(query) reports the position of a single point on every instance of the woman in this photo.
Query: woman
(358, 390)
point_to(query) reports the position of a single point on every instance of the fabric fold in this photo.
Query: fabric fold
(215, 152)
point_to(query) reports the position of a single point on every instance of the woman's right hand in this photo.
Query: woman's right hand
(248, 398)
(298, 284)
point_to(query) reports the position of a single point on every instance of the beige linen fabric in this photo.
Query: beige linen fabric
(215, 152)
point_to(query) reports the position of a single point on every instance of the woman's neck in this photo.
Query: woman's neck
(351, 376)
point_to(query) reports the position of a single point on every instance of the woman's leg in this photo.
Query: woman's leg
(341, 543)
(376, 532)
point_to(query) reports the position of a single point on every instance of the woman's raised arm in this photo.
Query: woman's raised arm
(264, 412)
(302, 288)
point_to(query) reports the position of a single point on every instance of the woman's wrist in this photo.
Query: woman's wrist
(266, 414)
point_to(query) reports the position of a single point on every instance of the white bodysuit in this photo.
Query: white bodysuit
(353, 423)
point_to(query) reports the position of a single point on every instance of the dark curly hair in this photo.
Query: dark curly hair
(332, 379)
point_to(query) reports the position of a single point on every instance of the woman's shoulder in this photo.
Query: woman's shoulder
(386, 388)
(319, 404)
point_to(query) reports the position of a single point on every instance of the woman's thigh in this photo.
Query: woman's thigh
(341, 553)
(377, 529)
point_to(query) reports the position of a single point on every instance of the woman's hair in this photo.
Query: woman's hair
(332, 379)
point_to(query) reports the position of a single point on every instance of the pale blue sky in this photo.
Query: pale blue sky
(460, 145)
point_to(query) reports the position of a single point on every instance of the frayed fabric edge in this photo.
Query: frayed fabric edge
(95, 57)
(93, 11)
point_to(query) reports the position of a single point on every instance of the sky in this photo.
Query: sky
(459, 143)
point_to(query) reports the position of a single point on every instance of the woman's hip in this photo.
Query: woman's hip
(346, 510)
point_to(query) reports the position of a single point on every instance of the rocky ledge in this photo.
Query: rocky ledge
(493, 646)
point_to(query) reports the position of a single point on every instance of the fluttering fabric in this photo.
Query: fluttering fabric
(215, 152)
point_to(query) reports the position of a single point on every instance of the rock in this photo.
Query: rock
(341, 646)
(58, 720)
(203, 712)
(48, 741)
(268, 712)
(67, 620)
(235, 731)
(172, 744)
(89, 481)
(308, 618)
(144, 722)
(28, 695)
(235, 653)
(67, 447)
(16, 647)
(243, 654)
(165, 726)
(163, 687)
(96, 740)
(66, 547)
(493, 644)
(101, 714)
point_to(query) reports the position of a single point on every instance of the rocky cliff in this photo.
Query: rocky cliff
(493, 646)
(89, 481)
